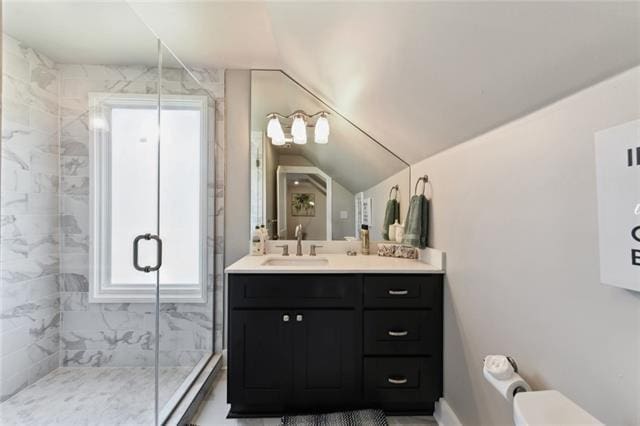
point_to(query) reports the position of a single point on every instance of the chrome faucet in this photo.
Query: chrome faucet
(299, 237)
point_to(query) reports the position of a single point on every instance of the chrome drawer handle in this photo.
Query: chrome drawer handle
(393, 381)
(398, 292)
(398, 333)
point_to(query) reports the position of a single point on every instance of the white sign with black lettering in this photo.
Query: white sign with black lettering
(618, 179)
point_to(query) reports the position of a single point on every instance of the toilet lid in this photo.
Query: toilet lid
(549, 408)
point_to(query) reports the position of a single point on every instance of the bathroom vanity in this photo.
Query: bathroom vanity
(334, 332)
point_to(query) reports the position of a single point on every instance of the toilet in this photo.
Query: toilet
(549, 408)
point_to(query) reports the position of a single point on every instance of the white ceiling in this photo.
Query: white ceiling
(418, 76)
(80, 32)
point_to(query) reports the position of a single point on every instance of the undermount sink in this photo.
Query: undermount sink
(296, 261)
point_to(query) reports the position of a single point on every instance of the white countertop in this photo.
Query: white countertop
(335, 264)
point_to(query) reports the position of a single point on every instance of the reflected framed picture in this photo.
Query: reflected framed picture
(303, 204)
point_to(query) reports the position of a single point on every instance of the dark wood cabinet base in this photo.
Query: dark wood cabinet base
(312, 343)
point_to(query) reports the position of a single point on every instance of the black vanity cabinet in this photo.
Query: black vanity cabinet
(312, 342)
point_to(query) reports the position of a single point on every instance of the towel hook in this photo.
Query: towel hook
(397, 188)
(424, 180)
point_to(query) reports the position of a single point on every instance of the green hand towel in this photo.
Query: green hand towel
(391, 214)
(417, 222)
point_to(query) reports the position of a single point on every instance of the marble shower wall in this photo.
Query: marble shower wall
(29, 245)
(122, 334)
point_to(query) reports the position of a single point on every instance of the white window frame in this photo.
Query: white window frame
(101, 289)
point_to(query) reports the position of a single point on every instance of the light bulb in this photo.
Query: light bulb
(321, 132)
(273, 127)
(278, 137)
(299, 130)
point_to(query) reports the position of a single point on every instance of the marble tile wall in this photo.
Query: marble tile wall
(29, 237)
(118, 335)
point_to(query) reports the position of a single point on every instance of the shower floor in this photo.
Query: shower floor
(92, 396)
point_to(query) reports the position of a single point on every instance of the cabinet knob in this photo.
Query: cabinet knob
(299, 318)
(285, 318)
(394, 333)
(402, 292)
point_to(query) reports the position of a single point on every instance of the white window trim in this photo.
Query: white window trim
(101, 290)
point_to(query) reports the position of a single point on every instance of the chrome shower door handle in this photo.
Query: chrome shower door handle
(136, 243)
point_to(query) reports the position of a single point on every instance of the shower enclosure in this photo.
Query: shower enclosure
(108, 218)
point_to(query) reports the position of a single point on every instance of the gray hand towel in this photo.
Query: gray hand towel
(391, 214)
(417, 222)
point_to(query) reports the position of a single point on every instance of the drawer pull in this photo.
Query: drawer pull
(397, 381)
(397, 333)
(398, 292)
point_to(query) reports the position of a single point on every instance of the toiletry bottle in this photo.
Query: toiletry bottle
(364, 237)
(399, 233)
(256, 243)
(392, 230)
(264, 236)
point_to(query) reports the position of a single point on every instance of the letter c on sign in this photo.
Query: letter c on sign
(635, 233)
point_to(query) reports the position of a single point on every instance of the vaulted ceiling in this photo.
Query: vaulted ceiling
(418, 76)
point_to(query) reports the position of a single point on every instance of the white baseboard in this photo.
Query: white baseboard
(444, 414)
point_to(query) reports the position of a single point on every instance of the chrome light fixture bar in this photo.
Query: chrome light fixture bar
(298, 127)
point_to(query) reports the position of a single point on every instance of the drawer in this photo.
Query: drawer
(402, 383)
(402, 291)
(294, 291)
(401, 333)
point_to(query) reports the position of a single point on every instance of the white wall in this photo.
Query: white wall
(342, 201)
(237, 194)
(515, 211)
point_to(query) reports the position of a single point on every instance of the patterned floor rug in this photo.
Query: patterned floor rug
(344, 418)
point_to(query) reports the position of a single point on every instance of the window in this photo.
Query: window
(124, 196)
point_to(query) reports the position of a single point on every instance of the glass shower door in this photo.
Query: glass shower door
(79, 190)
(185, 225)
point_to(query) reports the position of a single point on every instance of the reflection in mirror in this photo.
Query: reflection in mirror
(310, 166)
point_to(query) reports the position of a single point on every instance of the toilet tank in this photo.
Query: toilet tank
(549, 408)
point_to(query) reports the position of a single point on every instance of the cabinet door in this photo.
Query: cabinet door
(327, 359)
(259, 361)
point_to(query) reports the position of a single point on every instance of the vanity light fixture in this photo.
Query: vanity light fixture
(274, 130)
(321, 132)
(298, 127)
(299, 130)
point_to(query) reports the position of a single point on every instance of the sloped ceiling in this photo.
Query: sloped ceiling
(422, 77)
(419, 77)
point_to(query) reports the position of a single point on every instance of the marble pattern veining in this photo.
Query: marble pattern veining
(29, 260)
(92, 396)
(122, 334)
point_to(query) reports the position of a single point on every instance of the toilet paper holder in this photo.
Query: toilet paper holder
(514, 364)
(511, 361)
(515, 370)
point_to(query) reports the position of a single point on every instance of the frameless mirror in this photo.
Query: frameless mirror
(311, 166)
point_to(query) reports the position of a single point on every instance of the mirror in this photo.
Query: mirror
(311, 166)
